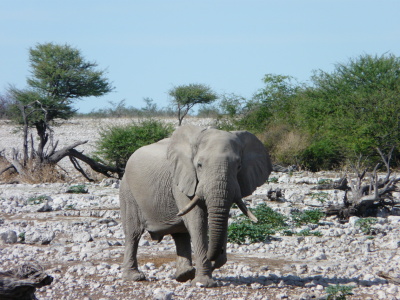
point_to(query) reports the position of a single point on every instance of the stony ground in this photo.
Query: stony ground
(78, 239)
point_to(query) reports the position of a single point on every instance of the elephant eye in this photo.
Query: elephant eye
(199, 165)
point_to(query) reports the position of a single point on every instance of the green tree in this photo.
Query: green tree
(356, 107)
(59, 76)
(271, 104)
(184, 97)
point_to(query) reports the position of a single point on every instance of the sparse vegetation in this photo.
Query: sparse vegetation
(37, 200)
(270, 222)
(338, 292)
(77, 189)
(366, 225)
(312, 216)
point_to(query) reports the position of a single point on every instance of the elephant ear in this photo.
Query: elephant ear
(180, 154)
(256, 163)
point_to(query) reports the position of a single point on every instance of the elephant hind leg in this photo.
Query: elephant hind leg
(133, 229)
(184, 269)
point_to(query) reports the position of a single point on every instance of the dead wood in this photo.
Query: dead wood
(364, 197)
(22, 282)
(388, 277)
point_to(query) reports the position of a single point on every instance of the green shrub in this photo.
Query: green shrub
(77, 189)
(117, 143)
(308, 232)
(266, 215)
(244, 231)
(269, 221)
(321, 155)
(308, 216)
(37, 200)
(320, 196)
(338, 292)
(21, 237)
(366, 225)
(273, 180)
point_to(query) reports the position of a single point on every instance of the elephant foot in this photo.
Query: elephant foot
(133, 275)
(185, 275)
(221, 260)
(204, 281)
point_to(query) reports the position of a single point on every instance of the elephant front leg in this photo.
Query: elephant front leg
(184, 269)
(197, 225)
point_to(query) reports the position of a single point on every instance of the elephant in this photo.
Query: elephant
(184, 186)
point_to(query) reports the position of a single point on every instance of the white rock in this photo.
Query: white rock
(353, 220)
(39, 236)
(161, 294)
(82, 237)
(394, 219)
(8, 237)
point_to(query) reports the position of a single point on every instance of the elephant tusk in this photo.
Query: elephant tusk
(244, 210)
(189, 206)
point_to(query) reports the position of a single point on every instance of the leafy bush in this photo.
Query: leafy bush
(308, 216)
(366, 225)
(242, 230)
(338, 292)
(321, 155)
(117, 143)
(37, 200)
(269, 222)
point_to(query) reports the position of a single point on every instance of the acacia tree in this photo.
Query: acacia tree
(187, 96)
(59, 76)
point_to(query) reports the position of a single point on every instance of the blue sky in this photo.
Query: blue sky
(148, 47)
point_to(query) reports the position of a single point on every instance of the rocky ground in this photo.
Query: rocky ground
(78, 239)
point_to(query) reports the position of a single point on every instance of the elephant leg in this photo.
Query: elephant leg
(198, 233)
(133, 230)
(184, 269)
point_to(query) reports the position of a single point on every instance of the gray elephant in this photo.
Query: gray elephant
(184, 186)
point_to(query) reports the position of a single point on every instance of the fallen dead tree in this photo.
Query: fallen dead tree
(33, 166)
(365, 195)
(22, 282)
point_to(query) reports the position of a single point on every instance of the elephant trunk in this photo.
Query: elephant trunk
(218, 206)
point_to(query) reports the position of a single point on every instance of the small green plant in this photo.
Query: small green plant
(273, 180)
(77, 189)
(70, 207)
(321, 196)
(37, 200)
(338, 292)
(325, 181)
(308, 216)
(308, 232)
(366, 225)
(269, 221)
(21, 237)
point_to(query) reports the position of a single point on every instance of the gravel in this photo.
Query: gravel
(78, 239)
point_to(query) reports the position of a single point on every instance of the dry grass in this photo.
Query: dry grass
(284, 144)
(33, 174)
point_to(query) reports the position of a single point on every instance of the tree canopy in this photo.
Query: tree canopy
(59, 76)
(187, 96)
(345, 113)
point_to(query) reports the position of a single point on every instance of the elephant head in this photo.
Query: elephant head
(217, 168)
